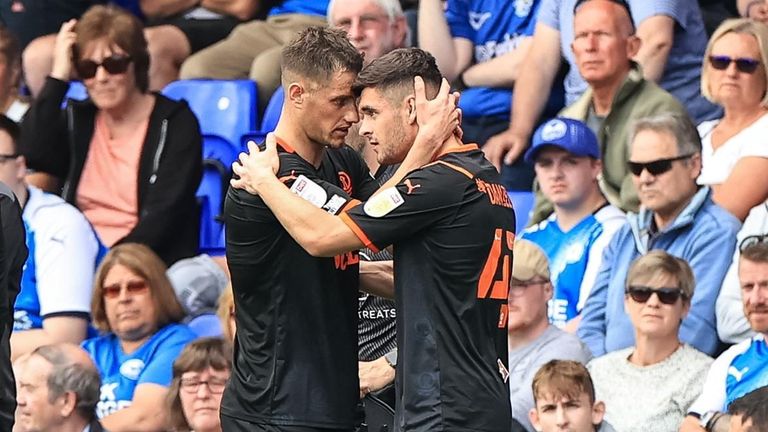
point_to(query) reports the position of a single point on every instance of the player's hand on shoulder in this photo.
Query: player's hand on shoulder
(254, 167)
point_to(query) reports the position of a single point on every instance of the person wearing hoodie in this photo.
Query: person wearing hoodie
(676, 216)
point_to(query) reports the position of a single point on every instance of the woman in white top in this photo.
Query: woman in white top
(735, 147)
(650, 386)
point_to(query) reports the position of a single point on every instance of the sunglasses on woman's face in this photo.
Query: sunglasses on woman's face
(114, 64)
(131, 287)
(657, 167)
(641, 294)
(745, 65)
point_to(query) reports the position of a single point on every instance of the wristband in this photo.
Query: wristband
(391, 358)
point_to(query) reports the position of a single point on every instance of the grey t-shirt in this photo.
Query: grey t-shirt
(525, 361)
(683, 70)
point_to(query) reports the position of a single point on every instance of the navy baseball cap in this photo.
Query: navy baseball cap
(570, 135)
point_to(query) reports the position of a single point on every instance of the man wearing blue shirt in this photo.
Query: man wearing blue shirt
(676, 216)
(566, 157)
(480, 46)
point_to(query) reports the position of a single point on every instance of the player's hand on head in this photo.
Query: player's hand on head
(255, 166)
(437, 118)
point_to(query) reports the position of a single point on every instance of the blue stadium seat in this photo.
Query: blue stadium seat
(269, 121)
(218, 156)
(522, 201)
(224, 108)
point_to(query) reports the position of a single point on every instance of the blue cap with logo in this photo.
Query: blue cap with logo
(571, 135)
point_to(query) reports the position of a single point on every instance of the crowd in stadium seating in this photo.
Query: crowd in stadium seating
(638, 297)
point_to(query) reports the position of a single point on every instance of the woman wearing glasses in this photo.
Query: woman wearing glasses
(199, 377)
(734, 148)
(651, 385)
(136, 309)
(130, 160)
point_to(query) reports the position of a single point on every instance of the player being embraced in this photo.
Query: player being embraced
(452, 227)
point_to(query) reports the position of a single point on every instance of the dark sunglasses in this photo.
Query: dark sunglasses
(114, 64)
(131, 287)
(657, 167)
(752, 240)
(668, 296)
(745, 65)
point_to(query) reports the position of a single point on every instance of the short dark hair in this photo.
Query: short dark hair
(120, 28)
(397, 69)
(624, 5)
(319, 52)
(754, 406)
(69, 376)
(11, 128)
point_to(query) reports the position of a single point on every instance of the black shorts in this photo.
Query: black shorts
(231, 424)
(200, 33)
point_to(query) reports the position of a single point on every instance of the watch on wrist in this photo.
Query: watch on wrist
(708, 420)
(391, 358)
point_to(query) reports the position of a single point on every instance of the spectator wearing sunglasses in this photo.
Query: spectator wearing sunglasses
(733, 147)
(743, 367)
(664, 375)
(136, 309)
(604, 45)
(676, 216)
(130, 159)
(199, 376)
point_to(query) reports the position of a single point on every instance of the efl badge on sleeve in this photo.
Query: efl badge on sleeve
(383, 203)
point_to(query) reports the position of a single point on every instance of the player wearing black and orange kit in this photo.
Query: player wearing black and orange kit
(451, 226)
(452, 247)
(296, 350)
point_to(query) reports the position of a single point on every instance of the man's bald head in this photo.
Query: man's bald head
(618, 9)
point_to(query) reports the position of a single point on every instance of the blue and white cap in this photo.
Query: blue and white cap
(571, 135)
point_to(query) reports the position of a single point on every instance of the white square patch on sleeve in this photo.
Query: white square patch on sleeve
(383, 203)
(310, 191)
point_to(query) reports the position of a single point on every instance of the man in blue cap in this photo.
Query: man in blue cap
(566, 156)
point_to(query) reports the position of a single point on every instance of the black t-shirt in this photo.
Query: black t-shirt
(296, 342)
(452, 226)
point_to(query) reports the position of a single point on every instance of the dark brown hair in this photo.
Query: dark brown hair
(317, 53)
(563, 378)
(140, 260)
(198, 356)
(396, 70)
(11, 53)
(121, 29)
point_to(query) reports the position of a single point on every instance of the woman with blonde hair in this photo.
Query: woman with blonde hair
(135, 308)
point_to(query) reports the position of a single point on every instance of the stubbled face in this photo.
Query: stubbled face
(527, 303)
(109, 91)
(668, 193)
(730, 87)
(201, 407)
(131, 316)
(753, 277)
(566, 414)
(35, 412)
(602, 44)
(654, 318)
(330, 110)
(566, 180)
(368, 27)
(385, 126)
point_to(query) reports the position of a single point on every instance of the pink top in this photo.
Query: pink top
(107, 193)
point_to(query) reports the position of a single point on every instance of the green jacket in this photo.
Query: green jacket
(636, 98)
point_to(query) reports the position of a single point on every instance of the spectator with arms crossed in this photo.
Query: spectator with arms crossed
(452, 226)
(566, 157)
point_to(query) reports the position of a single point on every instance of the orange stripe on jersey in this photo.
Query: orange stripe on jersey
(287, 147)
(358, 232)
(458, 149)
(349, 205)
(457, 168)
